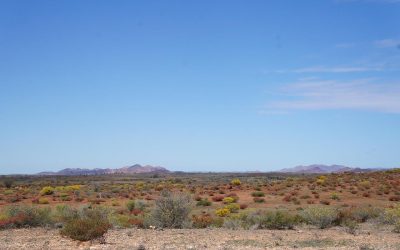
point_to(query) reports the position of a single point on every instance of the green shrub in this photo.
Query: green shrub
(233, 207)
(280, 219)
(140, 205)
(351, 226)
(66, 198)
(86, 224)
(258, 200)
(130, 205)
(27, 216)
(232, 223)
(217, 222)
(62, 213)
(171, 211)
(392, 216)
(335, 196)
(250, 220)
(120, 220)
(396, 228)
(204, 203)
(321, 217)
(258, 194)
(364, 213)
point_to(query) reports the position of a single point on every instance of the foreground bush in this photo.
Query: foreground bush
(171, 211)
(25, 216)
(233, 223)
(62, 213)
(202, 220)
(392, 216)
(280, 219)
(364, 213)
(321, 217)
(86, 224)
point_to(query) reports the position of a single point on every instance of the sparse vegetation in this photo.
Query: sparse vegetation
(24, 216)
(86, 224)
(166, 203)
(321, 217)
(280, 219)
(171, 210)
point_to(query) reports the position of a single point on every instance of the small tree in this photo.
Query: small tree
(171, 210)
(86, 224)
(8, 183)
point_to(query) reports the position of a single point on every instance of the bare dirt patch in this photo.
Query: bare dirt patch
(369, 237)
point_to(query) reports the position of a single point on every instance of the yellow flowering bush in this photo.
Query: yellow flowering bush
(222, 212)
(233, 207)
(228, 200)
(47, 191)
(236, 182)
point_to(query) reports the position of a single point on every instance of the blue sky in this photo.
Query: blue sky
(199, 85)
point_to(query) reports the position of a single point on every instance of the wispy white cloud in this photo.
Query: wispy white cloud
(361, 94)
(323, 69)
(368, 1)
(387, 43)
(345, 45)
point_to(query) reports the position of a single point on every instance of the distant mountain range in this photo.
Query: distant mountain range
(135, 169)
(139, 169)
(321, 169)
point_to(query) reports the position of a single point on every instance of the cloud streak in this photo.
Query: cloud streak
(322, 69)
(345, 45)
(369, 1)
(387, 43)
(362, 94)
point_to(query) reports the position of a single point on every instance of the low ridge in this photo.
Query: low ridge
(134, 169)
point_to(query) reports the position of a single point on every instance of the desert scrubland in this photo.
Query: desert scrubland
(201, 211)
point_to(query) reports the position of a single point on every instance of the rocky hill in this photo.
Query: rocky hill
(135, 169)
(322, 169)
